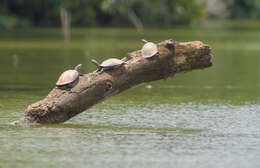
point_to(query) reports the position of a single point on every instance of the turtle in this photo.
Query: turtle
(108, 64)
(149, 49)
(69, 78)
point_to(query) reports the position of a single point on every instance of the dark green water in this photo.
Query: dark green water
(204, 118)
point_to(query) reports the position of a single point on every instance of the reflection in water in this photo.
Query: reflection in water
(15, 60)
(142, 134)
(206, 118)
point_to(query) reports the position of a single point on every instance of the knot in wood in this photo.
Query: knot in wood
(109, 85)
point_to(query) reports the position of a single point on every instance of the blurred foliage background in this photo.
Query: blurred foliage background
(138, 13)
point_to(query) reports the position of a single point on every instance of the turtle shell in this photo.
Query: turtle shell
(149, 50)
(111, 62)
(67, 77)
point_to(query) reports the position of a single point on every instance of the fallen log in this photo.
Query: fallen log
(62, 104)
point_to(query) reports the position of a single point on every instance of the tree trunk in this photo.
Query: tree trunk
(62, 104)
(65, 22)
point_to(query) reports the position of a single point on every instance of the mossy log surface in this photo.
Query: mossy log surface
(62, 104)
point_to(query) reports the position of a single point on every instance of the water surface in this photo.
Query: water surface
(204, 118)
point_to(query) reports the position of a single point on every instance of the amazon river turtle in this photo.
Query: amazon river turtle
(69, 78)
(149, 49)
(108, 64)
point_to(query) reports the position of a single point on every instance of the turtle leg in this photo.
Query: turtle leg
(71, 85)
(127, 62)
(100, 71)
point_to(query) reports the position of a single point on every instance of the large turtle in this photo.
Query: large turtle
(69, 78)
(108, 64)
(149, 49)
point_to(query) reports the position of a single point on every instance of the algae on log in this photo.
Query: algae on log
(174, 57)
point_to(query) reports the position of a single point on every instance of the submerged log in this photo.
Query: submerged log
(62, 104)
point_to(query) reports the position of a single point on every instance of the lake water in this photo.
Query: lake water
(204, 118)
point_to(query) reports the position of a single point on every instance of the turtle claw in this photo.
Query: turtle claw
(100, 71)
(128, 62)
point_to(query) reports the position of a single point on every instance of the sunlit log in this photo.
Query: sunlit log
(174, 57)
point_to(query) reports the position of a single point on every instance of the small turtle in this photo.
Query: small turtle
(149, 49)
(108, 64)
(69, 78)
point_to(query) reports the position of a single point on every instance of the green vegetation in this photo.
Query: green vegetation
(155, 13)
(93, 13)
(244, 8)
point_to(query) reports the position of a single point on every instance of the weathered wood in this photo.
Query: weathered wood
(174, 57)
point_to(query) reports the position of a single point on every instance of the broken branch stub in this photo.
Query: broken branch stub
(62, 104)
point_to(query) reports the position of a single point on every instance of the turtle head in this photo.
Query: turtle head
(95, 62)
(170, 44)
(144, 41)
(77, 68)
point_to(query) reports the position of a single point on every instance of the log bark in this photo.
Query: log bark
(62, 104)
